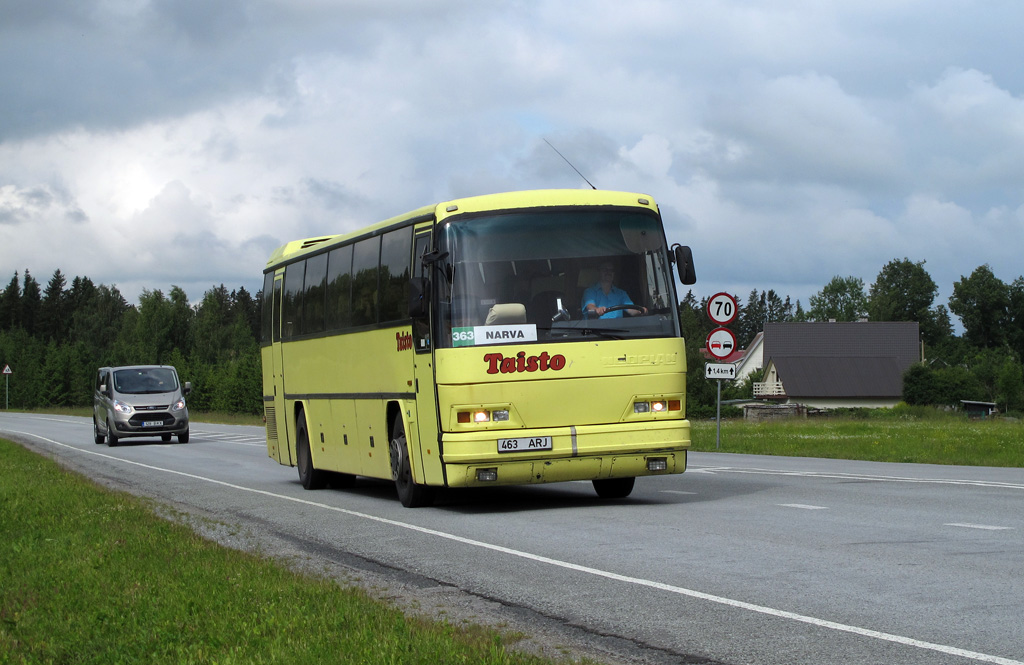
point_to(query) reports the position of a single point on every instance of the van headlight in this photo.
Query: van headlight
(179, 405)
(121, 407)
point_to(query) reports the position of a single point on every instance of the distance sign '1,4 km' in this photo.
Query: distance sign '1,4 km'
(722, 309)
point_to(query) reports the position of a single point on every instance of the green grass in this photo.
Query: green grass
(88, 575)
(920, 436)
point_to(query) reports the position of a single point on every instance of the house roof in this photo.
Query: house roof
(890, 339)
(863, 359)
(840, 377)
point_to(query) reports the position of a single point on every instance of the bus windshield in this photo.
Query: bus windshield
(547, 275)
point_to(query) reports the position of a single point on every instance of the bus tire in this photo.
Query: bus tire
(410, 494)
(309, 476)
(614, 488)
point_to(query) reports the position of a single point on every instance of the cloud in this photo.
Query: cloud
(786, 143)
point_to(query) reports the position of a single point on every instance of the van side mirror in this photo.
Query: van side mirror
(684, 264)
(188, 388)
(419, 297)
(104, 390)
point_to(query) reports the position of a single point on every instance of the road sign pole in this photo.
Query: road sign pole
(718, 434)
(7, 387)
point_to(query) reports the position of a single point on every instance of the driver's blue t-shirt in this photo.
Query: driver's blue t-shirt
(615, 296)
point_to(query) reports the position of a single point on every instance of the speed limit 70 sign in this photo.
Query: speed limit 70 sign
(722, 309)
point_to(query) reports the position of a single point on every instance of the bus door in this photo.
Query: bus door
(423, 375)
(284, 450)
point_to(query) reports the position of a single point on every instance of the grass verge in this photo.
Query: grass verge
(88, 575)
(886, 435)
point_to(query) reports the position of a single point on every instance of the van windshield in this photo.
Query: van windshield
(145, 380)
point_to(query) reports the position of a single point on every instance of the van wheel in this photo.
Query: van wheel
(111, 437)
(310, 477)
(410, 494)
(614, 488)
(97, 437)
(183, 437)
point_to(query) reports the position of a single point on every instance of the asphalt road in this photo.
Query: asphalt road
(742, 559)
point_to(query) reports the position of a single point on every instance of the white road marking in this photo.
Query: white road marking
(985, 527)
(858, 476)
(596, 572)
(801, 506)
(675, 492)
(236, 439)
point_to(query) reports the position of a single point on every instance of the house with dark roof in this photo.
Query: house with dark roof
(829, 365)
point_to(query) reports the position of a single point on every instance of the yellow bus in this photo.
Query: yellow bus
(526, 337)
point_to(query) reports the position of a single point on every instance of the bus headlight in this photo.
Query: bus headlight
(657, 405)
(478, 415)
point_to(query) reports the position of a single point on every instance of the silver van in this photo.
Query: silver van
(141, 400)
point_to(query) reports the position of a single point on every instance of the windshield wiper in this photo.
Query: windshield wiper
(610, 333)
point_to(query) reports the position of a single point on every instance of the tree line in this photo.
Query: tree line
(982, 364)
(55, 338)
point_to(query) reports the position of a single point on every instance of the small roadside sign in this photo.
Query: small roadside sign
(719, 371)
(722, 308)
(721, 343)
(7, 369)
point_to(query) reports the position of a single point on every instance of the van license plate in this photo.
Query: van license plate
(152, 423)
(523, 444)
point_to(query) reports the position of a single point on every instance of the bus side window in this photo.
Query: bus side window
(421, 325)
(291, 308)
(365, 269)
(314, 294)
(267, 311)
(394, 274)
(339, 288)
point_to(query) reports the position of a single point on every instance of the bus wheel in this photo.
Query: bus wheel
(409, 493)
(614, 488)
(310, 478)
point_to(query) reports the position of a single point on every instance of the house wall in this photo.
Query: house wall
(752, 362)
(859, 403)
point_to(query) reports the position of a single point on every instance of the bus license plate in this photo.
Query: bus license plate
(523, 444)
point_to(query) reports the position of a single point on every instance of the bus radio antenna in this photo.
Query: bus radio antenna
(570, 164)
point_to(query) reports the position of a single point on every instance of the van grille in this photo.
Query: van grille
(137, 420)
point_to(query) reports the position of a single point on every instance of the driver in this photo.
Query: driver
(604, 294)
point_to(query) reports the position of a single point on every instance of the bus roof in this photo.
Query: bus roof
(538, 198)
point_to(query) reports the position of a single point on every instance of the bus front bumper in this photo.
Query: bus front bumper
(580, 453)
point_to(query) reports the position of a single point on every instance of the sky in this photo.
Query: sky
(147, 144)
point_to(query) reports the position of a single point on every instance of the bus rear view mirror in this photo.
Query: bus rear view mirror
(684, 264)
(419, 296)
